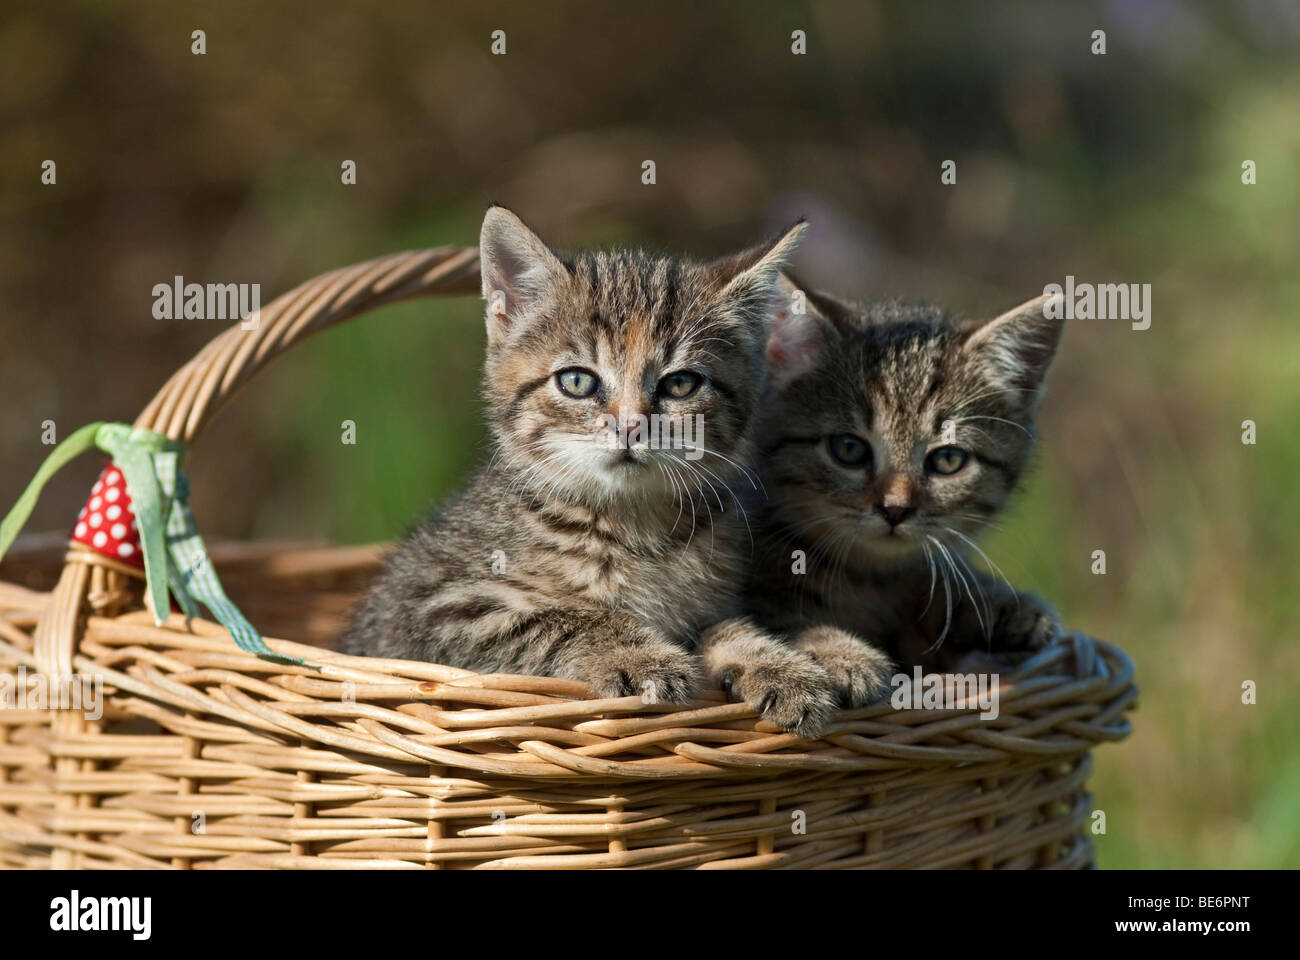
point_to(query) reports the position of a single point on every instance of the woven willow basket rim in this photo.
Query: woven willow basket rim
(1059, 702)
(467, 735)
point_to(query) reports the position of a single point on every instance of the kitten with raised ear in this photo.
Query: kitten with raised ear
(573, 556)
(892, 434)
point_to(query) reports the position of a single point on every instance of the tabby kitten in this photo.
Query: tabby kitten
(892, 435)
(573, 557)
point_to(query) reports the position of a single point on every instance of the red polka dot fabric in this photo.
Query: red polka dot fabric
(106, 523)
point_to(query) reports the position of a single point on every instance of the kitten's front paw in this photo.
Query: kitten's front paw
(656, 671)
(858, 671)
(786, 687)
(1028, 625)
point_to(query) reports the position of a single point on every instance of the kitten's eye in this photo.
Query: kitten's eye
(577, 382)
(849, 450)
(681, 384)
(946, 461)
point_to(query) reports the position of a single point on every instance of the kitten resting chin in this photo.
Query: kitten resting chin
(588, 547)
(892, 436)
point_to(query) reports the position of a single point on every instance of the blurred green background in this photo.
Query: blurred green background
(1117, 168)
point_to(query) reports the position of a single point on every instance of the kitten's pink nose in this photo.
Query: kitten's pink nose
(895, 514)
(630, 402)
(894, 489)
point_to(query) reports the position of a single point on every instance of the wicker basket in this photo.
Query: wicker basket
(207, 756)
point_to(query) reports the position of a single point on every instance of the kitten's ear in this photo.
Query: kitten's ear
(750, 278)
(800, 332)
(1019, 345)
(517, 268)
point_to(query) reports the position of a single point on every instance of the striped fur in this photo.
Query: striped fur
(567, 558)
(907, 379)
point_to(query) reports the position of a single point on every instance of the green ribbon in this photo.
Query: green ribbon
(174, 556)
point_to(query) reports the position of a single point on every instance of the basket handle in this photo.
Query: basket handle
(193, 394)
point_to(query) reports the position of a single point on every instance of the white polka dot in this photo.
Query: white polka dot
(133, 524)
(125, 549)
(112, 478)
(80, 531)
(99, 485)
(96, 503)
(96, 520)
(82, 514)
(118, 531)
(112, 494)
(99, 539)
(113, 512)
